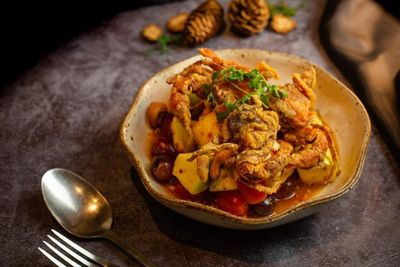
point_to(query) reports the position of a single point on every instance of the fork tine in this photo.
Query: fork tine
(54, 260)
(62, 256)
(70, 252)
(81, 250)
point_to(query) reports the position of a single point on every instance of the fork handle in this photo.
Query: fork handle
(130, 250)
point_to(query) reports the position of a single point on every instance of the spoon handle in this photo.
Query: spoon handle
(130, 250)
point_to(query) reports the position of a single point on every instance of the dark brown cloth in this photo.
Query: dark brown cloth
(364, 41)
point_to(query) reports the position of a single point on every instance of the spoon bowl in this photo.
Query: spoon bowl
(76, 204)
(81, 209)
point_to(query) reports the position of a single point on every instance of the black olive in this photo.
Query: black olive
(161, 168)
(264, 208)
(165, 128)
(287, 190)
(197, 110)
(163, 146)
(160, 118)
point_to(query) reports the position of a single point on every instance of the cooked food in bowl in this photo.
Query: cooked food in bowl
(230, 138)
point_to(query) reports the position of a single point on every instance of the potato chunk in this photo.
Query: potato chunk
(186, 172)
(183, 142)
(205, 129)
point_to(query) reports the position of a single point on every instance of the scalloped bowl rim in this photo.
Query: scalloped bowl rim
(225, 215)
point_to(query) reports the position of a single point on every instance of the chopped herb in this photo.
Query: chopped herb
(211, 99)
(255, 81)
(166, 40)
(282, 8)
(222, 115)
(244, 99)
(207, 87)
(215, 75)
(229, 108)
(283, 94)
(265, 100)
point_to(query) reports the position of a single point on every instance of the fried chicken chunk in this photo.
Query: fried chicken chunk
(251, 126)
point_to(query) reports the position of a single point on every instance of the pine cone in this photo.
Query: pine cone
(248, 16)
(204, 22)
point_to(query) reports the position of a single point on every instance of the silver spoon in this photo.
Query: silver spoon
(81, 209)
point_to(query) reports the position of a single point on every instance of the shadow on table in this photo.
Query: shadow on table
(269, 245)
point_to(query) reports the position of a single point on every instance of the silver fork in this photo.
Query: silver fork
(85, 258)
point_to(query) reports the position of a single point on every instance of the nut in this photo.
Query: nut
(176, 24)
(282, 24)
(152, 32)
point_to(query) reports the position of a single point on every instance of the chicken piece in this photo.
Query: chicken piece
(295, 110)
(217, 63)
(187, 81)
(224, 93)
(267, 71)
(309, 77)
(179, 103)
(211, 148)
(312, 142)
(211, 157)
(302, 85)
(251, 126)
(262, 169)
(282, 24)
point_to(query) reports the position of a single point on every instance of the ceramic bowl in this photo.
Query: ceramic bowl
(340, 108)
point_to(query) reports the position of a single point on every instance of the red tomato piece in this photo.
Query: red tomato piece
(251, 195)
(232, 202)
(181, 192)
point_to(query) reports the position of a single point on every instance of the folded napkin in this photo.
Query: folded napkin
(364, 42)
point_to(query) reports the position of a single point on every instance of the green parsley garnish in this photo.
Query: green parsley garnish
(255, 81)
(211, 99)
(229, 108)
(282, 8)
(166, 40)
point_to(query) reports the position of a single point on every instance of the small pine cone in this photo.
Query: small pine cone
(248, 16)
(204, 22)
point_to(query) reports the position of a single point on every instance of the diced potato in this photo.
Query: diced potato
(225, 182)
(323, 173)
(186, 172)
(183, 142)
(205, 129)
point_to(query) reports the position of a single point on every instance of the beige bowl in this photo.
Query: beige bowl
(342, 110)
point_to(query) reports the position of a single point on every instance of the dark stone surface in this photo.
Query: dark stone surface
(66, 111)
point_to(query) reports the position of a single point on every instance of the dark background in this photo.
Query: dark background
(28, 32)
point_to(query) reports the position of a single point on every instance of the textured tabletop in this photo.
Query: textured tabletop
(66, 112)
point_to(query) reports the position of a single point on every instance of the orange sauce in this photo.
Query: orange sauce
(150, 141)
(303, 192)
